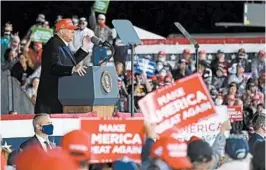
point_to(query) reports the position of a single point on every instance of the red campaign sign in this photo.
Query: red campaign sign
(113, 138)
(235, 113)
(173, 107)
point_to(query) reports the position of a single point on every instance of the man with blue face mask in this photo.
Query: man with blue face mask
(43, 127)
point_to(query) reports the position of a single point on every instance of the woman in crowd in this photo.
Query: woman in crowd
(22, 69)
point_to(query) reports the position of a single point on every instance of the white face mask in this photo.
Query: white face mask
(159, 67)
(162, 59)
(227, 134)
(218, 102)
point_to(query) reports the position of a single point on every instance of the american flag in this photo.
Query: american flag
(146, 66)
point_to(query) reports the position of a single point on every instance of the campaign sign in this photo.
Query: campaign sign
(113, 138)
(173, 107)
(235, 113)
(41, 34)
(101, 6)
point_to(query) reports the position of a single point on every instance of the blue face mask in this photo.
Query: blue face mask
(48, 129)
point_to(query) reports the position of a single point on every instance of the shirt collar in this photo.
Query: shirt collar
(63, 41)
(41, 139)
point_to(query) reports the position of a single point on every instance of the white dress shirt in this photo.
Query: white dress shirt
(76, 43)
(42, 141)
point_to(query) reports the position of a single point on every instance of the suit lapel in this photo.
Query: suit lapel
(69, 54)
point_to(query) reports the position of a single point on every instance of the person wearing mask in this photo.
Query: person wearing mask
(22, 69)
(252, 94)
(43, 127)
(78, 145)
(241, 58)
(5, 40)
(219, 100)
(219, 61)
(236, 153)
(258, 64)
(162, 58)
(58, 61)
(239, 78)
(182, 70)
(191, 64)
(202, 55)
(259, 127)
(100, 29)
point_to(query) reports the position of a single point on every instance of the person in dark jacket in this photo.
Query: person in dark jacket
(43, 127)
(181, 72)
(242, 59)
(260, 131)
(22, 69)
(58, 61)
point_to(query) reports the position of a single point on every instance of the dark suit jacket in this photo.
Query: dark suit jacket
(57, 61)
(33, 140)
(253, 140)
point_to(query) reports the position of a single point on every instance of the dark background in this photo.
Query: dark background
(157, 17)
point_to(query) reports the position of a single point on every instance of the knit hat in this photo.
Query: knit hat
(124, 164)
(236, 147)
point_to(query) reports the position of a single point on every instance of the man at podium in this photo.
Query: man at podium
(58, 61)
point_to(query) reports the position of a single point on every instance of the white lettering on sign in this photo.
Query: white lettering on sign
(112, 128)
(168, 97)
(100, 149)
(193, 111)
(168, 123)
(179, 104)
(109, 138)
(126, 149)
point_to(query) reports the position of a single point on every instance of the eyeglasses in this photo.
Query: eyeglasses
(100, 19)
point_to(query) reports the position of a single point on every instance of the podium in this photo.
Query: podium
(96, 91)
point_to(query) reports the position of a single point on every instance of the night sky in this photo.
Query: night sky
(157, 17)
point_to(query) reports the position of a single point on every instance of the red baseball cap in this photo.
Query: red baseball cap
(261, 53)
(57, 159)
(162, 53)
(77, 141)
(30, 158)
(65, 24)
(172, 151)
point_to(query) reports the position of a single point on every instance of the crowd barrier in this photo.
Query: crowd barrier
(15, 129)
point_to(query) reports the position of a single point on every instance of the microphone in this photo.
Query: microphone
(98, 42)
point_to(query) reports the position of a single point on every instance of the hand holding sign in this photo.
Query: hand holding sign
(175, 106)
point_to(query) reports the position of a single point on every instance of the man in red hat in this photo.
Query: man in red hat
(58, 61)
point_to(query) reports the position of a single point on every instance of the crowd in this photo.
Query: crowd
(158, 153)
(232, 83)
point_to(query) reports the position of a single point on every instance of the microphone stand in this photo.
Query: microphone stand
(196, 46)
